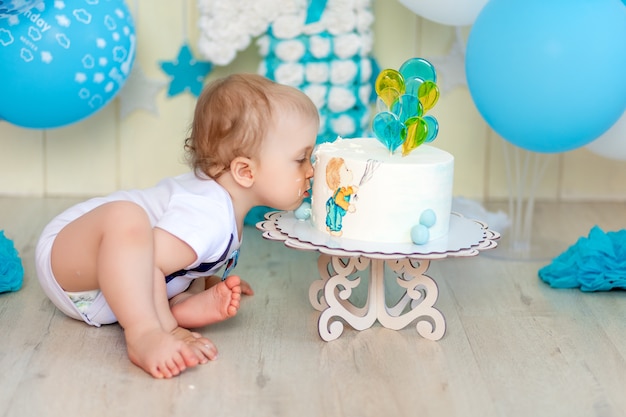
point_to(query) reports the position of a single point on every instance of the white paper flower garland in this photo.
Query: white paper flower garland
(321, 47)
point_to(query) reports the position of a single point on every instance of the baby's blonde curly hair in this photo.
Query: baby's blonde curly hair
(232, 117)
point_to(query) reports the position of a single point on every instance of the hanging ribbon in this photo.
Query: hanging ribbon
(315, 10)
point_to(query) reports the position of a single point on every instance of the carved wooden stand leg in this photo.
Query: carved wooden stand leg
(330, 295)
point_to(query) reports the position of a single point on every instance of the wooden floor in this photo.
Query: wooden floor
(513, 346)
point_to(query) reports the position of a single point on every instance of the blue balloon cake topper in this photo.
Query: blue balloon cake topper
(404, 96)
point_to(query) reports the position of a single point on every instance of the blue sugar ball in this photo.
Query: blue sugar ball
(428, 218)
(420, 234)
(303, 212)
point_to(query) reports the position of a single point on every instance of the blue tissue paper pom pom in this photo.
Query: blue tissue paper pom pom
(11, 269)
(594, 263)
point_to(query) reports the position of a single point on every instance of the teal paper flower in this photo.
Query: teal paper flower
(594, 263)
(11, 269)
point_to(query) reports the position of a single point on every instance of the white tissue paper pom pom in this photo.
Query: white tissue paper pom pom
(290, 73)
(317, 94)
(317, 72)
(342, 71)
(289, 26)
(343, 125)
(290, 50)
(366, 70)
(217, 53)
(340, 22)
(365, 91)
(260, 13)
(254, 23)
(314, 28)
(365, 124)
(319, 46)
(339, 6)
(264, 45)
(240, 42)
(364, 20)
(340, 99)
(367, 43)
(347, 45)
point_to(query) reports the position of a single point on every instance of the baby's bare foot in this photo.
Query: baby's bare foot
(246, 288)
(204, 349)
(161, 354)
(218, 303)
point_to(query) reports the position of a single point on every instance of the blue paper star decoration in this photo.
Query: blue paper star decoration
(187, 73)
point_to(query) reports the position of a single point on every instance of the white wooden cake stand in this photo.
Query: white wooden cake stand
(340, 259)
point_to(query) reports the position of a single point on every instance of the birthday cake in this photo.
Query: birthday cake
(362, 192)
(394, 187)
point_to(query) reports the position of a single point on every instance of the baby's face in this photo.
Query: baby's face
(284, 171)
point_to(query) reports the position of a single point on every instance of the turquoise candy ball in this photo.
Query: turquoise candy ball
(303, 212)
(420, 234)
(428, 218)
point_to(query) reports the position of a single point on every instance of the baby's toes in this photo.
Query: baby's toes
(190, 358)
(209, 351)
(172, 368)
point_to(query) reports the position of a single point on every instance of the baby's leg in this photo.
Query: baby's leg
(111, 248)
(198, 307)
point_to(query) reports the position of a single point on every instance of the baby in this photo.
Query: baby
(142, 257)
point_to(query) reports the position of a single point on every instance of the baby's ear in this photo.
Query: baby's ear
(242, 171)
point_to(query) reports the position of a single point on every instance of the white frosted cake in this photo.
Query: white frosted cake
(363, 192)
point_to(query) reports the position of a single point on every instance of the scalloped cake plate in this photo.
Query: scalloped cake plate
(463, 234)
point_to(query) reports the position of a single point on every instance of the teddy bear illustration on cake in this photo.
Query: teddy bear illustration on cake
(405, 191)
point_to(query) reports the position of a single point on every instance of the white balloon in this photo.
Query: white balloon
(446, 12)
(612, 143)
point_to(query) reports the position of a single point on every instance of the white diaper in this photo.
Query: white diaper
(83, 300)
(89, 306)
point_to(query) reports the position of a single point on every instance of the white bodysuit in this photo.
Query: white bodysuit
(197, 211)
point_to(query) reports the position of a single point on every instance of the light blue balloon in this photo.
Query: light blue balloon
(433, 128)
(12, 7)
(412, 85)
(61, 65)
(418, 68)
(389, 130)
(407, 106)
(548, 76)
